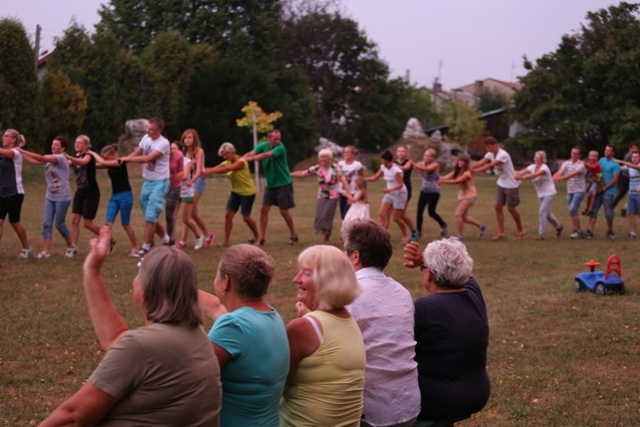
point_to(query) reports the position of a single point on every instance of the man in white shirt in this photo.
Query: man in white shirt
(507, 190)
(573, 171)
(153, 151)
(385, 314)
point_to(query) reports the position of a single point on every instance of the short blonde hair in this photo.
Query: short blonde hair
(542, 154)
(333, 276)
(433, 152)
(325, 152)
(85, 139)
(226, 147)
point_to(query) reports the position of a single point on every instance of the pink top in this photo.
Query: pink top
(175, 170)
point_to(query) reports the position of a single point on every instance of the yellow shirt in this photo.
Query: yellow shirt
(241, 182)
(327, 389)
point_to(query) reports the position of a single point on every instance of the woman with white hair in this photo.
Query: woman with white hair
(329, 176)
(243, 190)
(451, 333)
(540, 176)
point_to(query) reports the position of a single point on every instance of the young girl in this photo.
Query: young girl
(430, 191)
(359, 202)
(176, 165)
(467, 193)
(121, 199)
(186, 201)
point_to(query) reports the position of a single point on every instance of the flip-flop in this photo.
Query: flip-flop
(498, 237)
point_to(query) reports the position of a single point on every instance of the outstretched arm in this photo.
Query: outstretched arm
(107, 323)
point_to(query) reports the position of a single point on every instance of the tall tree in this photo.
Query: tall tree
(463, 120)
(17, 77)
(587, 92)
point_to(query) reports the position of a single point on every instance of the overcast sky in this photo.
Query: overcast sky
(459, 41)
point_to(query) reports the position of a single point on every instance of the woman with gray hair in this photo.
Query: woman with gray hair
(243, 190)
(250, 341)
(163, 373)
(540, 176)
(326, 378)
(329, 176)
(451, 333)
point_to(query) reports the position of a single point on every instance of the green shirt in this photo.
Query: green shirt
(276, 169)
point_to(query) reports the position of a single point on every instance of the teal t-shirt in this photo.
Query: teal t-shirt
(609, 169)
(253, 379)
(276, 168)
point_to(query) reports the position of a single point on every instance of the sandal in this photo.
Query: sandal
(43, 255)
(292, 240)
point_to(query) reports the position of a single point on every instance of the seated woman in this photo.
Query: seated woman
(250, 341)
(164, 373)
(451, 332)
(326, 379)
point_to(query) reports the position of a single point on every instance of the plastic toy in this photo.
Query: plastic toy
(601, 282)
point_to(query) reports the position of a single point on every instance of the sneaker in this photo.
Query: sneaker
(559, 231)
(112, 244)
(632, 235)
(575, 234)
(142, 252)
(181, 245)
(199, 243)
(25, 253)
(209, 240)
(170, 242)
(610, 235)
(71, 251)
(414, 236)
(481, 230)
(43, 255)
(443, 231)
(588, 234)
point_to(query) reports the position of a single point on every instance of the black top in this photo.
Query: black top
(452, 336)
(86, 175)
(119, 178)
(406, 174)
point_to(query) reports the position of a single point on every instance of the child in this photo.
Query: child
(595, 180)
(467, 193)
(121, 199)
(633, 200)
(359, 202)
(186, 201)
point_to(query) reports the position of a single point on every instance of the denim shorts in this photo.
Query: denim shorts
(200, 185)
(152, 198)
(633, 203)
(605, 200)
(120, 202)
(574, 200)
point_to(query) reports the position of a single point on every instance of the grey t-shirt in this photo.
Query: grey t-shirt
(164, 375)
(577, 183)
(57, 177)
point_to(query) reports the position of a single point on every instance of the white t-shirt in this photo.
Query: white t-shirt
(350, 172)
(505, 171)
(390, 175)
(543, 183)
(157, 169)
(577, 183)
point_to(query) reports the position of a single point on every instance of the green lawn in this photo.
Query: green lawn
(556, 358)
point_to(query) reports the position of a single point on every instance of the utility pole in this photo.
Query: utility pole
(37, 47)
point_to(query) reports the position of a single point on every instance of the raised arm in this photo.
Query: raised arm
(431, 167)
(484, 164)
(627, 164)
(449, 179)
(374, 177)
(37, 159)
(107, 323)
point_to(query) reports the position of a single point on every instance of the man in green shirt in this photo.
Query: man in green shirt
(279, 187)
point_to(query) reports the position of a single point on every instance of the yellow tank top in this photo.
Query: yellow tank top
(328, 386)
(241, 182)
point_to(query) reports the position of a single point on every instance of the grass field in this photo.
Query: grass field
(556, 358)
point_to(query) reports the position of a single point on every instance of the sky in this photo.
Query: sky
(456, 41)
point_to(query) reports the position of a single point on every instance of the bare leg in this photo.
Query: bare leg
(516, 217)
(22, 234)
(149, 230)
(264, 221)
(195, 214)
(397, 218)
(632, 223)
(189, 223)
(252, 226)
(289, 220)
(228, 226)
(75, 228)
(89, 225)
(132, 236)
(46, 245)
(384, 215)
(500, 220)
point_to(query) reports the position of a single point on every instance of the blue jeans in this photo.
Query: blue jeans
(120, 202)
(574, 200)
(55, 211)
(605, 200)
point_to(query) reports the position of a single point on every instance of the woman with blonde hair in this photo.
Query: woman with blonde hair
(329, 176)
(193, 150)
(11, 188)
(243, 190)
(430, 191)
(325, 385)
(540, 175)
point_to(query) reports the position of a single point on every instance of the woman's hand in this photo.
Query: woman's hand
(302, 309)
(99, 249)
(413, 257)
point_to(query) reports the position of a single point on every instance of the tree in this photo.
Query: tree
(254, 113)
(587, 92)
(349, 81)
(63, 107)
(492, 99)
(463, 120)
(17, 77)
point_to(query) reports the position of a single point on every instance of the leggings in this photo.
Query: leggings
(430, 199)
(173, 197)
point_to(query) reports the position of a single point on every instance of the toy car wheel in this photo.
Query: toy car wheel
(600, 289)
(578, 287)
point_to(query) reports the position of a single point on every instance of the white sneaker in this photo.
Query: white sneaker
(71, 251)
(25, 253)
(43, 255)
(199, 243)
